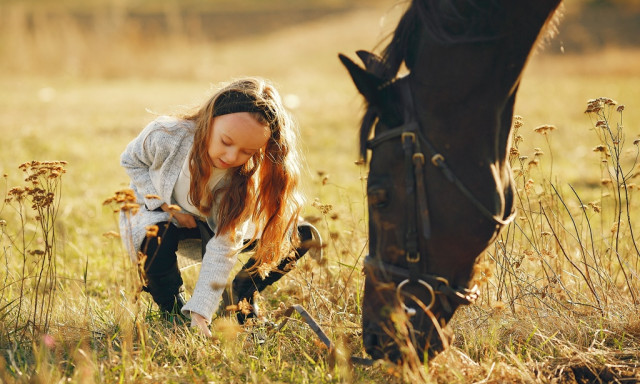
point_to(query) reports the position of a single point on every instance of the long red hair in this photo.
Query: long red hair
(263, 190)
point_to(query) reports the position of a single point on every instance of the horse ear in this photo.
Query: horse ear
(367, 83)
(373, 63)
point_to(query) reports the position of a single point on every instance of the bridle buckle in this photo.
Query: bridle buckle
(412, 135)
(413, 257)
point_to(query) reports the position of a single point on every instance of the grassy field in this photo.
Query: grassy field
(560, 288)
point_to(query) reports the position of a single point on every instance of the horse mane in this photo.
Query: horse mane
(550, 29)
(446, 23)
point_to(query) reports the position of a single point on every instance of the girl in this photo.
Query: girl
(232, 168)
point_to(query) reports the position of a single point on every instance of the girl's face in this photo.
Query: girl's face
(236, 137)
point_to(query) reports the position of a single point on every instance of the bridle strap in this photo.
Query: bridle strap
(413, 160)
(411, 235)
(392, 133)
(438, 160)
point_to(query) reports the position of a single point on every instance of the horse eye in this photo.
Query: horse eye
(377, 197)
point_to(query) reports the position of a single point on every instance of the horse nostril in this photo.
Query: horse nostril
(378, 197)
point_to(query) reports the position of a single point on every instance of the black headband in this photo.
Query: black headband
(236, 101)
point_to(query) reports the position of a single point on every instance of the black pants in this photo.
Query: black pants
(162, 275)
(164, 281)
(163, 258)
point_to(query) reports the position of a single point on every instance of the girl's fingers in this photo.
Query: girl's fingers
(199, 322)
(205, 330)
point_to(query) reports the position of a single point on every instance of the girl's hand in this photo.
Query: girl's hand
(185, 220)
(198, 321)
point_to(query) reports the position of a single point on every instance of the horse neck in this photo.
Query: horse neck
(471, 108)
(475, 129)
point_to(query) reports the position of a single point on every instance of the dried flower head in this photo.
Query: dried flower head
(597, 105)
(122, 196)
(602, 149)
(152, 230)
(133, 208)
(323, 208)
(593, 106)
(614, 228)
(174, 208)
(245, 307)
(111, 235)
(545, 129)
(17, 193)
(517, 121)
(125, 200)
(529, 184)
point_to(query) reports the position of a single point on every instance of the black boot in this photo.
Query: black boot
(246, 284)
(167, 291)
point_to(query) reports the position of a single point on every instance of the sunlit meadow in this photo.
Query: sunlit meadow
(559, 288)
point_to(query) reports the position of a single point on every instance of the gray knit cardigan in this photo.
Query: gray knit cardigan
(153, 161)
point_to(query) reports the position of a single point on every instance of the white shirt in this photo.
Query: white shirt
(181, 189)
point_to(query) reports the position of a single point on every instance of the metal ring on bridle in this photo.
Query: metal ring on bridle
(437, 159)
(424, 284)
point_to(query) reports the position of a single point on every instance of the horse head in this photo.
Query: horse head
(439, 186)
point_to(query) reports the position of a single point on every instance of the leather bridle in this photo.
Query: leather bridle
(412, 141)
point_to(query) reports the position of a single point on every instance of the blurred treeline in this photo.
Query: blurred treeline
(99, 37)
(80, 37)
(217, 19)
(594, 24)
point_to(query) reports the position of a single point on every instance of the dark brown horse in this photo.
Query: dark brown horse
(439, 186)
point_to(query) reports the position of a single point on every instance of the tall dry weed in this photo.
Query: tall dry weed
(563, 249)
(560, 283)
(29, 252)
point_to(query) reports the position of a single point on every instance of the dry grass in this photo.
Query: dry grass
(556, 305)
